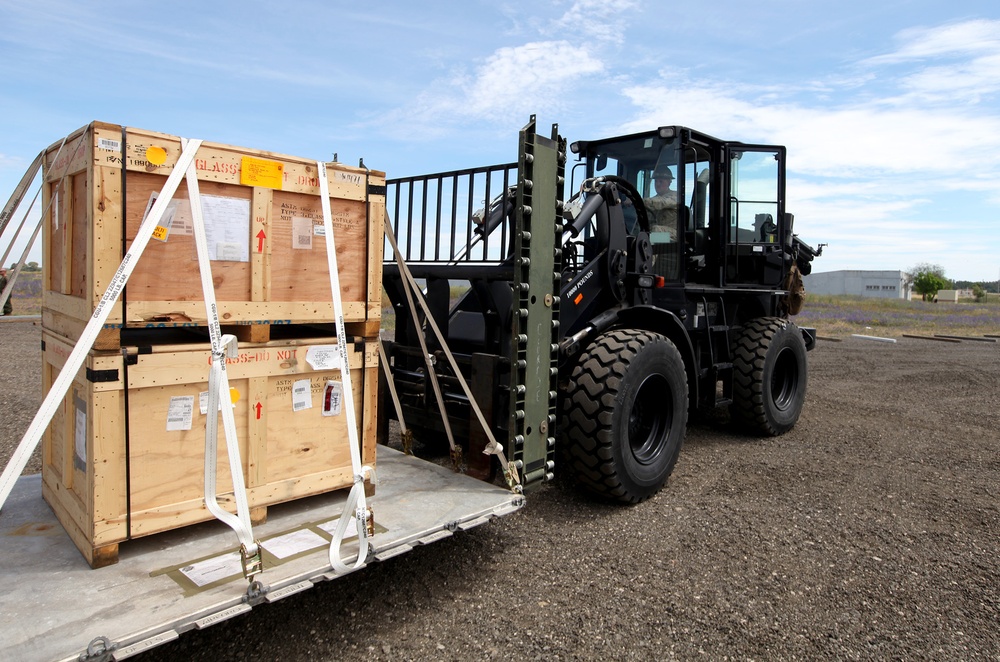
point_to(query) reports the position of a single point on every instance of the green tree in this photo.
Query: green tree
(979, 293)
(928, 279)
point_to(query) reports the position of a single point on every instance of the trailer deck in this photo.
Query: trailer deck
(55, 606)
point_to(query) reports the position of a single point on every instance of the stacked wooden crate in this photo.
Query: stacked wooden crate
(123, 456)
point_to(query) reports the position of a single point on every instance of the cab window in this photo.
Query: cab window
(754, 197)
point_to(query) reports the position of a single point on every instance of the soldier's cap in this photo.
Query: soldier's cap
(661, 172)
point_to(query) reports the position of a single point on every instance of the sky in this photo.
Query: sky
(890, 110)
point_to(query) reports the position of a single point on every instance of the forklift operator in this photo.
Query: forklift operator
(662, 207)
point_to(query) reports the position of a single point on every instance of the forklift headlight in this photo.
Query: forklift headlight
(574, 147)
(645, 281)
(666, 132)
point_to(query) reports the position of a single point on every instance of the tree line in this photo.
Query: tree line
(928, 279)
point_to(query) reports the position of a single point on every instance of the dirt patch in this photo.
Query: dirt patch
(870, 531)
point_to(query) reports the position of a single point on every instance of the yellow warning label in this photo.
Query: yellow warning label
(160, 233)
(260, 172)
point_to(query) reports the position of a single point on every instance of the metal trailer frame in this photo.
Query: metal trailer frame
(55, 607)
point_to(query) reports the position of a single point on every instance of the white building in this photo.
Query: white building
(878, 284)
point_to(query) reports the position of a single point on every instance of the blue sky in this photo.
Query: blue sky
(889, 109)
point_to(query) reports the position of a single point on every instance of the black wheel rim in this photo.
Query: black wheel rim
(649, 419)
(784, 379)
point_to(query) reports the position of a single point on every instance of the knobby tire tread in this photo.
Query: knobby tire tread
(749, 359)
(588, 406)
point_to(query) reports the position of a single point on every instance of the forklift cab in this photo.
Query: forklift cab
(720, 220)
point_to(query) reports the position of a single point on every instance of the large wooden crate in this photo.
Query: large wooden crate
(265, 235)
(115, 466)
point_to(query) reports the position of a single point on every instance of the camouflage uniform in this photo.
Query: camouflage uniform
(662, 210)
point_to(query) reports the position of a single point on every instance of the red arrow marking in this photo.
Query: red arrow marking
(260, 245)
(258, 408)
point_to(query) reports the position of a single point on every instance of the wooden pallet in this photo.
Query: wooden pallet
(114, 336)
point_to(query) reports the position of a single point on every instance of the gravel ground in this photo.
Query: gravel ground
(870, 531)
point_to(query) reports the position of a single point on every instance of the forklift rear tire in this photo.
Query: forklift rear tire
(624, 414)
(769, 376)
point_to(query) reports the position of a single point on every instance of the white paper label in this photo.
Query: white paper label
(55, 207)
(333, 395)
(166, 221)
(109, 144)
(203, 403)
(319, 230)
(302, 395)
(293, 543)
(80, 436)
(323, 357)
(349, 177)
(229, 252)
(212, 570)
(227, 227)
(331, 527)
(302, 238)
(180, 413)
(180, 218)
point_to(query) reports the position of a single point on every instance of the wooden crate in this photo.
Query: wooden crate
(113, 469)
(269, 255)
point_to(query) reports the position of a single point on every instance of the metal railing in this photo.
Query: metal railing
(452, 217)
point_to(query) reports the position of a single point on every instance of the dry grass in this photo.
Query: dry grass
(830, 315)
(842, 315)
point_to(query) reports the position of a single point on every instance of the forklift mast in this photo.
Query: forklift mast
(505, 328)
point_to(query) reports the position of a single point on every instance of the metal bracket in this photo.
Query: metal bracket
(407, 439)
(256, 593)
(99, 650)
(97, 376)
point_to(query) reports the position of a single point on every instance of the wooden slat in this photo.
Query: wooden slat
(376, 244)
(105, 237)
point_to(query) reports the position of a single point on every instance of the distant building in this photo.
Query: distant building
(876, 284)
(953, 296)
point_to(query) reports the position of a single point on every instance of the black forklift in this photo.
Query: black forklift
(586, 330)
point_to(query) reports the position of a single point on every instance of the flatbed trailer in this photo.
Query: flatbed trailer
(55, 607)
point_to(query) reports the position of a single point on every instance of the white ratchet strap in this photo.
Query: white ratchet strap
(15, 201)
(356, 505)
(22, 187)
(493, 447)
(410, 290)
(103, 309)
(223, 346)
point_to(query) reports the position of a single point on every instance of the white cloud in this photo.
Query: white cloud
(968, 37)
(897, 160)
(602, 20)
(510, 84)
(513, 82)
(956, 64)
